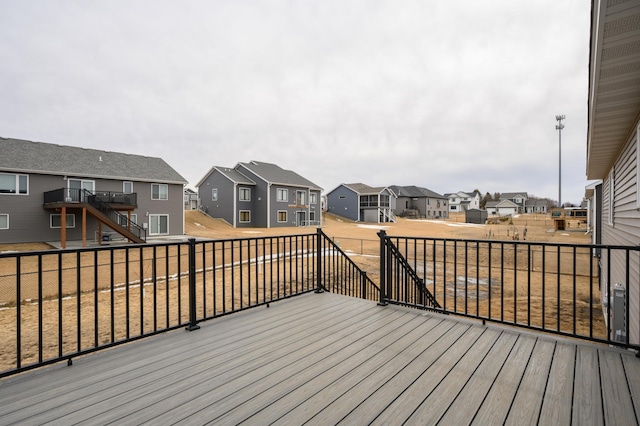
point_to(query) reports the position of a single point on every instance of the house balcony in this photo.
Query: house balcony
(71, 197)
(289, 330)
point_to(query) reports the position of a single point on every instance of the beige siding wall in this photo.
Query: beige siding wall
(619, 205)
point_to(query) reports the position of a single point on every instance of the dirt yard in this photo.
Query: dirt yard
(358, 239)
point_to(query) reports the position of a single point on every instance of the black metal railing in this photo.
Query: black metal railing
(58, 304)
(563, 289)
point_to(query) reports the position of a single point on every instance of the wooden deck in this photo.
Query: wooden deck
(328, 359)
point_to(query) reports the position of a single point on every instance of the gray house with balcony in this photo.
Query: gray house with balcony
(259, 195)
(362, 203)
(417, 202)
(52, 192)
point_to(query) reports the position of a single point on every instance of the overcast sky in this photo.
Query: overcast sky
(446, 94)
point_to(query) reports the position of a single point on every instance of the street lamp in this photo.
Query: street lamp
(559, 128)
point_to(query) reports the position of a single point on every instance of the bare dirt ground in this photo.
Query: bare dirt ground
(359, 239)
(539, 229)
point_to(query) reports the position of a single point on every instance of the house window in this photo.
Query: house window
(14, 184)
(244, 194)
(312, 216)
(282, 195)
(122, 220)
(342, 197)
(159, 191)
(245, 216)
(384, 201)
(454, 207)
(55, 220)
(313, 198)
(282, 216)
(158, 224)
(4, 221)
(214, 194)
(301, 198)
(127, 187)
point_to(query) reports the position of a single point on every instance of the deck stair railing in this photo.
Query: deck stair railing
(99, 201)
(573, 290)
(399, 280)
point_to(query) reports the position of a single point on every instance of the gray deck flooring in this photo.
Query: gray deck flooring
(328, 359)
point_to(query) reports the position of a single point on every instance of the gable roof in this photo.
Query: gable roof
(364, 189)
(233, 175)
(512, 195)
(275, 174)
(414, 192)
(25, 156)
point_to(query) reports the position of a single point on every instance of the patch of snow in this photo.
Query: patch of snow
(199, 225)
(372, 226)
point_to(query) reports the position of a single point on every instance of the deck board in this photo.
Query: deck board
(329, 359)
(525, 409)
(559, 387)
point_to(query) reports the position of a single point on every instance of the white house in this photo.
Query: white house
(463, 201)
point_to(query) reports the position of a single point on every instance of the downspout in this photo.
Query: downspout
(235, 203)
(269, 205)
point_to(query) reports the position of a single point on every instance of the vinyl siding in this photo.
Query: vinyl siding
(625, 230)
(29, 221)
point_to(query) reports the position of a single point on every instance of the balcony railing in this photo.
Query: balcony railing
(57, 305)
(555, 288)
(78, 195)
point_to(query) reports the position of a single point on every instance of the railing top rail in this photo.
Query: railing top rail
(517, 242)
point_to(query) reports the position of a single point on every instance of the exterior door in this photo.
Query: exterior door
(301, 218)
(77, 187)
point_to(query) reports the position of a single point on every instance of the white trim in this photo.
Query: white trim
(158, 216)
(17, 183)
(286, 192)
(124, 184)
(216, 196)
(240, 216)
(159, 192)
(71, 220)
(286, 216)
(7, 215)
(240, 190)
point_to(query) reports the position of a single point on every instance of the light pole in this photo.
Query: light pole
(559, 128)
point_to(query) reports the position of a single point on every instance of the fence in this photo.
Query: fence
(556, 288)
(56, 305)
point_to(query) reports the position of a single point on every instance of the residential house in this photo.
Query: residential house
(261, 195)
(362, 203)
(52, 192)
(535, 206)
(462, 201)
(190, 199)
(417, 202)
(501, 208)
(613, 149)
(518, 198)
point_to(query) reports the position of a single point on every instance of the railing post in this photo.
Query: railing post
(363, 284)
(193, 324)
(383, 264)
(319, 254)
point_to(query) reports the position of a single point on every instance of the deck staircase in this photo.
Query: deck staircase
(100, 205)
(113, 219)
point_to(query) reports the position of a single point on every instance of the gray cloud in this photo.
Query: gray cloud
(449, 95)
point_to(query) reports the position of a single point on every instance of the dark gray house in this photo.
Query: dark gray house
(54, 192)
(362, 203)
(260, 195)
(418, 202)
